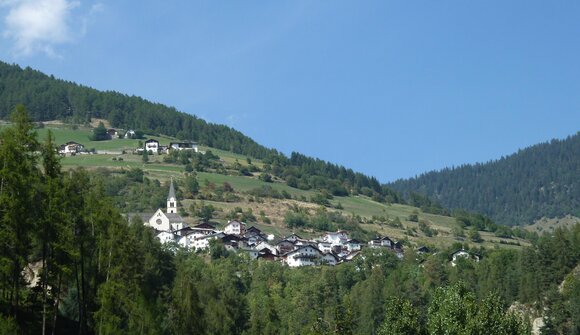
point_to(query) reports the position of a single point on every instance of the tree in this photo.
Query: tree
(100, 133)
(474, 235)
(145, 156)
(455, 310)
(18, 196)
(401, 318)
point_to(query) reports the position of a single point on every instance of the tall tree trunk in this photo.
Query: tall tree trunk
(56, 303)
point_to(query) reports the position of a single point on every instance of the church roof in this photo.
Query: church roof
(174, 218)
(171, 191)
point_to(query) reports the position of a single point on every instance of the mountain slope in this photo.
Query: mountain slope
(47, 98)
(539, 181)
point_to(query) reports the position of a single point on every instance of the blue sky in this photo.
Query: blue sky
(388, 88)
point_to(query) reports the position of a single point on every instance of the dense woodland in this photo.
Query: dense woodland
(47, 98)
(99, 274)
(542, 180)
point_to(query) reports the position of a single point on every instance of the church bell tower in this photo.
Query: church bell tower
(171, 199)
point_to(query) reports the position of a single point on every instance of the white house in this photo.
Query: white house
(338, 238)
(152, 145)
(166, 237)
(293, 238)
(329, 259)
(382, 242)
(71, 148)
(235, 228)
(325, 246)
(303, 256)
(182, 146)
(130, 133)
(462, 253)
(353, 245)
(202, 242)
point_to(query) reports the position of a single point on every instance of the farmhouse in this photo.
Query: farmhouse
(152, 146)
(182, 146)
(71, 148)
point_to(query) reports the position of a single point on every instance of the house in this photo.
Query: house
(202, 242)
(325, 246)
(71, 148)
(381, 242)
(462, 253)
(204, 228)
(253, 231)
(303, 256)
(152, 146)
(182, 146)
(252, 253)
(166, 237)
(338, 238)
(265, 245)
(266, 254)
(112, 133)
(329, 258)
(423, 250)
(353, 245)
(130, 134)
(284, 247)
(235, 227)
(293, 238)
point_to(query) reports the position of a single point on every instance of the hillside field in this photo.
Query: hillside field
(274, 209)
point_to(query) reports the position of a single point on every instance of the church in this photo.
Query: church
(168, 221)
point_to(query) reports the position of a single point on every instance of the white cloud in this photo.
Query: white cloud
(39, 26)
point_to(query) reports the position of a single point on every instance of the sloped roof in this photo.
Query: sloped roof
(174, 218)
(171, 191)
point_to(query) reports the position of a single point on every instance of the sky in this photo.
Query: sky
(388, 88)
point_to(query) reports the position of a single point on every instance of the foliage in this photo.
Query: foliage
(100, 133)
(538, 181)
(102, 274)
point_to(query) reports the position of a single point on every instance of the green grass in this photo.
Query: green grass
(63, 134)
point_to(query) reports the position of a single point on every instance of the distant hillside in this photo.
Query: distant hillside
(540, 181)
(47, 98)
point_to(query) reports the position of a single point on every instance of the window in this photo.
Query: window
(158, 221)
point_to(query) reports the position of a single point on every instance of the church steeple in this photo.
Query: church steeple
(171, 199)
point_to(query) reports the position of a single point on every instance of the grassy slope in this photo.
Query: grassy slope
(273, 208)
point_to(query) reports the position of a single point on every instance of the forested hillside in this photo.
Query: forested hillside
(47, 98)
(540, 181)
(89, 271)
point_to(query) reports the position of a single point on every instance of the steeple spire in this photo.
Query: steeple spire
(171, 199)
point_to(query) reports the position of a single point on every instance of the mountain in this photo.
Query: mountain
(539, 181)
(48, 98)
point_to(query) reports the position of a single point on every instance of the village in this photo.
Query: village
(331, 248)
